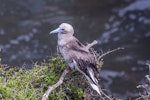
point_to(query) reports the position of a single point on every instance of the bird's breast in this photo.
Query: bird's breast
(61, 42)
(63, 50)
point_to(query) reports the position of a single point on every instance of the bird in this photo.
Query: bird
(76, 55)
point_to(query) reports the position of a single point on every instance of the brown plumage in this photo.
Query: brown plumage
(76, 55)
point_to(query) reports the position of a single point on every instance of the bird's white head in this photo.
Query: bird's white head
(64, 28)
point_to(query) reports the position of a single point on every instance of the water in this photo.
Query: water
(25, 27)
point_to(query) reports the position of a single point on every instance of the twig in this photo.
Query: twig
(109, 98)
(88, 46)
(108, 52)
(51, 88)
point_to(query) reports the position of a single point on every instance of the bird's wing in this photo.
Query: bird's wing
(78, 51)
(85, 60)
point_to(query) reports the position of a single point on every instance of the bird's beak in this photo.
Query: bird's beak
(58, 30)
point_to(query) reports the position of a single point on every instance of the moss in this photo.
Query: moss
(23, 84)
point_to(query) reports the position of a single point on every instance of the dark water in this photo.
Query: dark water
(25, 24)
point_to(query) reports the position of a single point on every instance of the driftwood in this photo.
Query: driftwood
(67, 70)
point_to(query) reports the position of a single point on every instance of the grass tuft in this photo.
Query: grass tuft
(24, 84)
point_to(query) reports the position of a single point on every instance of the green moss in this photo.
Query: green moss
(23, 84)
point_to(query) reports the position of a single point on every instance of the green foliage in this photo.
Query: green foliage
(23, 84)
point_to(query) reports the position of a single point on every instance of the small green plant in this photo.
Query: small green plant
(22, 84)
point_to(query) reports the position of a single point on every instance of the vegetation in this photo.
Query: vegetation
(22, 84)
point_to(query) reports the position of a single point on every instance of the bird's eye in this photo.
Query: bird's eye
(63, 31)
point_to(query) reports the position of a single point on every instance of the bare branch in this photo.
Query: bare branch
(108, 97)
(51, 88)
(88, 46)
(108, 52)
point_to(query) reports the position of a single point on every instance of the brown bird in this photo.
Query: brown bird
(76, 55)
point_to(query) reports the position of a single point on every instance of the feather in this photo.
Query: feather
(76, 54)
(90, 76)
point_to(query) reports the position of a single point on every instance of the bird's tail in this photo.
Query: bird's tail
(90, 75)
(93, 80)
(96, 88)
